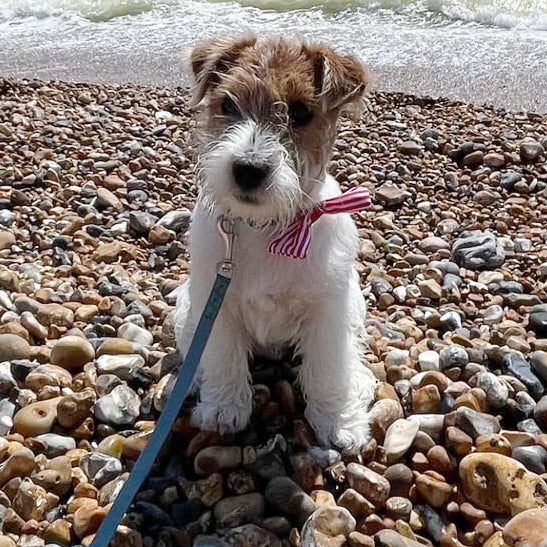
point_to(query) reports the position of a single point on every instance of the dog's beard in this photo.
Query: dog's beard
(277, 201)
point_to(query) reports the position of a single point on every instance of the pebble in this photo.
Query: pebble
(479, 250)
(527, 529)
(72, 352)
(120, 407)
(36, 418)
(399, 438)
(501, 484)
(13, 347)
(238, 510)
(328, 526)
(285, 496)
(517, 365)
(367, 482)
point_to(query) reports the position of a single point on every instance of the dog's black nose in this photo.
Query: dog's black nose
(249, 175)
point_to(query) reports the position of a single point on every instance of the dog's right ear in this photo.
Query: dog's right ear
(210, 59)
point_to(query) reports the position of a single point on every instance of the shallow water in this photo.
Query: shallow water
(478, 50)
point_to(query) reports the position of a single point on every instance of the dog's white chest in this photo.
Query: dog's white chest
(274, 320)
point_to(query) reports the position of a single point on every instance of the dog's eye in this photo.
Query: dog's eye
(229, 107)
(299, 114)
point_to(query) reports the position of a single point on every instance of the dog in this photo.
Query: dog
(269, 108)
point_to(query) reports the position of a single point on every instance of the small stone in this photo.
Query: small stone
(435, 492)
(215, 459)
(399, 438)
(284, 495)
(472, 422)
(429, 288)
(355, 503)
(178, 220)
(497, 393)
(7, 239)
(391, 538)
(390, 194)
(532, 457)
(509, 179)
(136, 334)
(538, 360)
(56, 445)
(527, 529)
(367, 482)
(328, 526)
(516, 364)
(119, 365)
(398, 508)
(432, 244)
(479, 250)
(238, 510)
(500, 484)
(13, 347)
(537, 323)
(19, 464)
(141, 222)
(429, 360)
(453, 356)
(530, 150)
(36, 418)
(473, 159)
(410, 148)
(72, 352)
(120, 407)
(74, 408)
(100, 468)
(494, 160)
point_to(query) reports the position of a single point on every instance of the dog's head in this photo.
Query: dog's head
(270, 109)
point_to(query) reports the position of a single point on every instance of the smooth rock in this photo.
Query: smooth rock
(13, 347)
(72, 352)
(527, 529)
(36, 418)
(367, 482)
(501, 484)
(120, 407)
(328, 526)
(479, 250)
(399, 437)
(285, 496)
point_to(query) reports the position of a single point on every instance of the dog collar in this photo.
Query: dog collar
(295, 241)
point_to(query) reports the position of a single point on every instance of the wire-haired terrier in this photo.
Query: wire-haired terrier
(269, 109)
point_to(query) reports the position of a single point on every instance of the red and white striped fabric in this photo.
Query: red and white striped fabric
(296, 240)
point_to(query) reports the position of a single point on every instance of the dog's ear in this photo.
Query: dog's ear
(341, 80)
(210, 59)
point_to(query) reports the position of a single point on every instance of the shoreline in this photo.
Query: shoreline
(183, 88)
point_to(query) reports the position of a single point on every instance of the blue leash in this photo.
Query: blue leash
(186, 374)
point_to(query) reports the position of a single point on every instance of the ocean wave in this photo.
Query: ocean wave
(93, 10)
(528, 14)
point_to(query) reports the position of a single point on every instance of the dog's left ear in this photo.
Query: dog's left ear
(341, 80)
(209, 59)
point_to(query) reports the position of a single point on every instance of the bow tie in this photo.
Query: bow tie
(296, 240)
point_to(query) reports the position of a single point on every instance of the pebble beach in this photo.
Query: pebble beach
(96, 192)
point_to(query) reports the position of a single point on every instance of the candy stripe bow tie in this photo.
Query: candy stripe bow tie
(296, 240)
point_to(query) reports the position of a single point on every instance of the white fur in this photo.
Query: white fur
(314, 304)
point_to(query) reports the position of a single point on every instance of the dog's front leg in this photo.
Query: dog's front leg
(225, 400)
(337, 386)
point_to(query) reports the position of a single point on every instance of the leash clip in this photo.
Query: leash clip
(226, 230)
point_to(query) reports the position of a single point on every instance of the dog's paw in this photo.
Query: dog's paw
(347, 432)
(221, 418)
